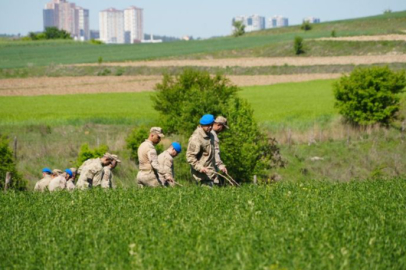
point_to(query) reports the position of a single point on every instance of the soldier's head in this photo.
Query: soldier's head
(68, 174)
(115, 162)
(46, 172)
(206, 122)
(74, 172)
(56, 173)
(175, 149)
(106, 159)
(155, 135)
(220, 124)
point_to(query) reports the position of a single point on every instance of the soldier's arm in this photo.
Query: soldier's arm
(153, 160)
(193, 150)
(219, 162)
(167, 169)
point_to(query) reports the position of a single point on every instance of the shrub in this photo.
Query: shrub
(135, 138)
(104, 72)
(306, 26)
(87, 153)
(181, 102)
(7, 164)
(96, 42)
(333, 33)
(239, 28)
(100, 60)
(370, 95)
(298, 45)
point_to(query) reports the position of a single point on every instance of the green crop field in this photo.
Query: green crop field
(304, 225)
(294, 103)
(22, 54)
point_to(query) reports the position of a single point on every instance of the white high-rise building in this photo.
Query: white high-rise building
(252, 23)
(133, 25)
(312, 20)
(112, 26)
(67, 16)
(278, 21)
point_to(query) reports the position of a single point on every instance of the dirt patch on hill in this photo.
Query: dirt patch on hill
(88, 85)
(259, 62)
(368, 38)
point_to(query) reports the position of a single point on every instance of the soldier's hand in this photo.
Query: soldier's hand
(224, 170)
(204, 170)
(170, 180)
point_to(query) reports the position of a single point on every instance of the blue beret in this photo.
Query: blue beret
(46, 170)
(207, 119)
(177, 147)
(68, 171)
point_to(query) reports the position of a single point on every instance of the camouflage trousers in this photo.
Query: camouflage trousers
(209, 179)
(148, 179)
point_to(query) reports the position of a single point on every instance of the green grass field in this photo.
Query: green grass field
(304, 225)
(291, 103)
(19, 54)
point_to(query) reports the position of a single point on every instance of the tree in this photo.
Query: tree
(182, 100)
(8, 164)
(55, 33)
(239, 28)
(306, 26)
(369, 95)
(298, 45)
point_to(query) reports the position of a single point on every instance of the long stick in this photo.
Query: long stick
(176, 183)
(233, 180)
(231, 183)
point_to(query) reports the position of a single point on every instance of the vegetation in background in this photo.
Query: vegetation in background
(369, 96)
(8, 164)
(87, 153)
(239, 28)
(49, 33)
(182, 101)
(333, 33)
(288, 225)
(306, 26)
(298, 45)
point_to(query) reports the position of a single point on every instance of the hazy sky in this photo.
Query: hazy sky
(203, 18)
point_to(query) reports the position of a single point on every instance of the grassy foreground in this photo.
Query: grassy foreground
(309, 225)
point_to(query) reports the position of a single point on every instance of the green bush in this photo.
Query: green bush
(50, 33)
(333, 33)
(181, 102)
(369, 95)
(298, 45)
(137, 136)
(239, 28)
(306, 26)
(87, 153)
(7, 164)
(96, 42)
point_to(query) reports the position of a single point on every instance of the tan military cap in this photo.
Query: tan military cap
(73, 170)
(157, 130)
(221, 120)
(108, 156)
(115, 157)
(57, 172)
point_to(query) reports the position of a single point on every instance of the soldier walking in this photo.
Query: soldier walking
(165, 160)
(148, 160)
(201, 152)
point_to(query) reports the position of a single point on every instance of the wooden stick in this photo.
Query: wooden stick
(8, 180)
(233, 180)
(231, 183)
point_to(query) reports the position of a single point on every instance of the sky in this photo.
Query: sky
(203, 18)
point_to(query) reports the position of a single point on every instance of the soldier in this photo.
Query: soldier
(70, 183)
(58, 181)
(148, 160)
(200, 152)
(42, 184)
(219, 125)
(91, 170)
(165, 161)
(107, 176)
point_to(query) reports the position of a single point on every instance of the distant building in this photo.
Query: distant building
(312, 20)
(252, 23)
(94, 34)
(67, 16)
(278, 21)
(112, 26)
(151, 40)
(133, 25)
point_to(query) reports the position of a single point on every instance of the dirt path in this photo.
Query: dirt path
(84, 85)
(274, 61)
(368, 38)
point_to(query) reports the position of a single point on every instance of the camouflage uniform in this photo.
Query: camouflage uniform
(90, 169)
(57, 183)
(42, 184)
(70, 185)
(219, 163)
(166, 173)
(200, 153)
(107, 177)
(148, 165)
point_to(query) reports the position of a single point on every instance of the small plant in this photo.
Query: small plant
(333, 33)
(306, 26)
(119, 72)
(239, 28)
(370, 95)
(96, 42)
(104, 72)
(298, 45)
(87, 153)
(100, 60)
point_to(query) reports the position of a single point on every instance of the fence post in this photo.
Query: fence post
(255, 179)
(8, 180)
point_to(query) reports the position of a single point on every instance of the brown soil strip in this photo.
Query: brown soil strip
(368, 38)
(260, 62)
(86, 85)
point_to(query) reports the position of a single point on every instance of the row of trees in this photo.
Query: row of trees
(49, 33)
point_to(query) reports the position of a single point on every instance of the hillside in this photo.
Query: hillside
(17, 54)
